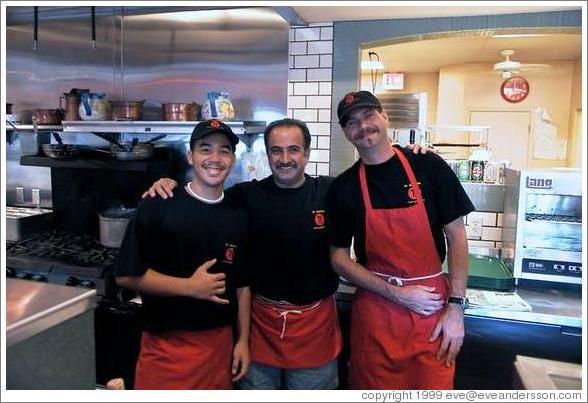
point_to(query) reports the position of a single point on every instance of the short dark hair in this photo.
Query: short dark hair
(287, 122)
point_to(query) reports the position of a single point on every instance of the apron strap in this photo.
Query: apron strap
(409, 172)
(400, 280)
(279, 306)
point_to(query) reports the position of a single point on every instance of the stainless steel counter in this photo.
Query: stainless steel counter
(550, 307)
(32, 307)
(49, 336)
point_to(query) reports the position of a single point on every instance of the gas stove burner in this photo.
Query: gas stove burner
(60, 257)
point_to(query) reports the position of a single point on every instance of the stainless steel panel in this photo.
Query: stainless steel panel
(157, 54)
(485, 196)
(32, 307)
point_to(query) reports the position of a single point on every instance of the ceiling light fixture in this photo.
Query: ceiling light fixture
(373, 64)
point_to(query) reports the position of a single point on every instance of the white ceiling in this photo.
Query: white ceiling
(430, 55)
(379, 10)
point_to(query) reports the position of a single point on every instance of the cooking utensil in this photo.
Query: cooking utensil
(47, 116)
(57, 138)
(22, 222)
(60, 151)
(113, 224)
(180, 111)
(127, 152)
(125, 110)
(151, 140)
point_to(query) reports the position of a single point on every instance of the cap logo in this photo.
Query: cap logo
(349, 98)
(215, 123)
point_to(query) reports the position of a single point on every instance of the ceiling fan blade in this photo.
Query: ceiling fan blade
(534, 66)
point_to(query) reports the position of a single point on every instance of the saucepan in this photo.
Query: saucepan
(113, 224)
(60, 151)
(130, 150)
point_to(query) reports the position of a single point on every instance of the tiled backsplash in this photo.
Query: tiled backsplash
(309, 88)
(484, 229)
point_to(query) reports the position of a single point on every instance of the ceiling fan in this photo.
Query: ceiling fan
(508, 67)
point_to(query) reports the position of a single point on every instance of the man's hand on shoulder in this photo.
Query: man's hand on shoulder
(162, 188)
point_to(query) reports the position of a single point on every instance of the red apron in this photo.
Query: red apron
(294, 336)
(389, 343)
(177, 359)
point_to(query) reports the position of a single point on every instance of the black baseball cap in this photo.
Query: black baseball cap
(211, 126)
(354, 100)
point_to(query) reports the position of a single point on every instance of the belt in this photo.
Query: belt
(401, 280)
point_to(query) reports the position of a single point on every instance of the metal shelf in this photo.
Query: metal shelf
(164, 127)
(32, 128)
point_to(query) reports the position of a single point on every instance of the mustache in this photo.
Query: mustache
(290, 164)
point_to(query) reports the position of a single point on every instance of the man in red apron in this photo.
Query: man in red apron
(184, 256)
(407, 317)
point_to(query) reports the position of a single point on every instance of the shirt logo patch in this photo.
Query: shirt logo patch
(319, 219)
(229, 254)
(411, 194)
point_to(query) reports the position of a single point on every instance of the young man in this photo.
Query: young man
(184, 256)
(407, 319)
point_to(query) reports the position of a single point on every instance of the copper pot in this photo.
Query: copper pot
(47, 116)
(125, 110)
(180, 111)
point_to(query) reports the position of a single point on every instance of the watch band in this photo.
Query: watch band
(461, 301)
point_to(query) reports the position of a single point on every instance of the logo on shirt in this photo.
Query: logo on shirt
(229, 254)
(319, 219)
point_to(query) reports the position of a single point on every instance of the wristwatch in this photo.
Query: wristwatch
(463, 302)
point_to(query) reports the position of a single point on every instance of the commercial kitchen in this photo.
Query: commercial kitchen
(100, 102)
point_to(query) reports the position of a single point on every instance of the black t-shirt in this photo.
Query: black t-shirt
(174, 236)
(288, 241)
(445, 198)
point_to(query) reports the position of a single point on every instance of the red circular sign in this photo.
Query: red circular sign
(514, 89)
(229, 254)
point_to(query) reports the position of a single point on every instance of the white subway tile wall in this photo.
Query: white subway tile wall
(310, 88)
(491, 234)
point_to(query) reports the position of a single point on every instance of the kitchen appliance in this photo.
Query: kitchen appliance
(406, 112)
(61, 257)
(542, 225)
(21, 222)
(64, 258)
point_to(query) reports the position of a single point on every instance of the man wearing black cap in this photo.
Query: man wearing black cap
(400, 208)
(185, 257)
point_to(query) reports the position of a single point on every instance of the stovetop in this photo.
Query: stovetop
(61, 257)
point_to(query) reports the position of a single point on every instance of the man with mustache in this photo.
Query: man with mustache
(185, 257)
(399, 209)
(295, 336)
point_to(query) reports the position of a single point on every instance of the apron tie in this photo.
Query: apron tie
(283, 313)
(400, 280)
(284, 316)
